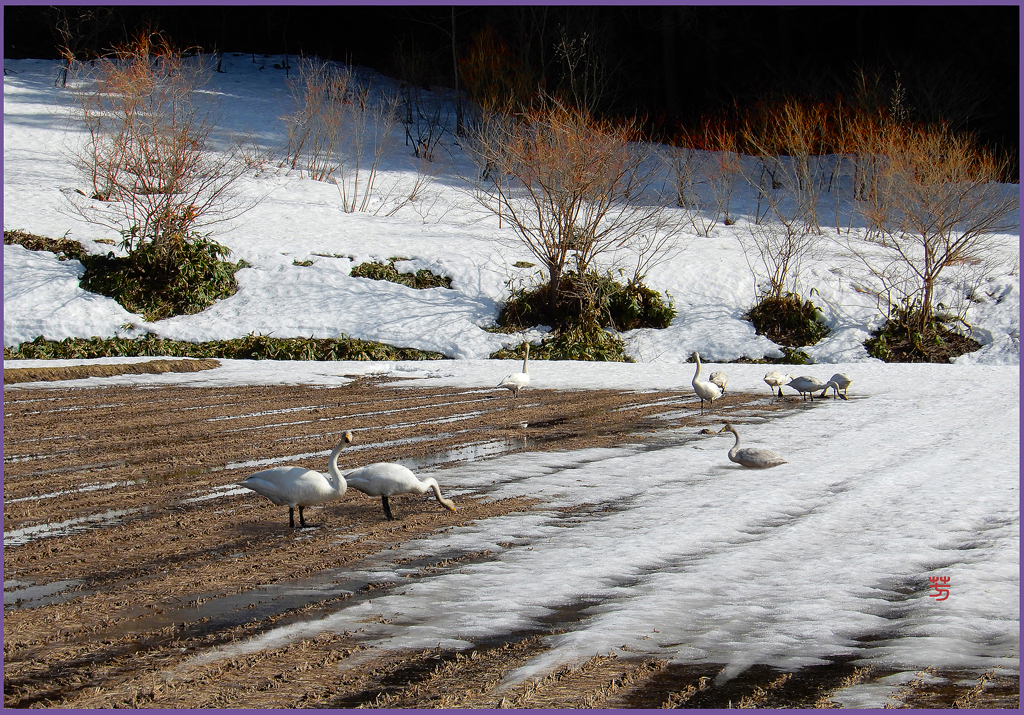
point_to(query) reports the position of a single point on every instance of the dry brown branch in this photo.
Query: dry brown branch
(148, 157)
(937, 203)
(571, 186)
(340, 130)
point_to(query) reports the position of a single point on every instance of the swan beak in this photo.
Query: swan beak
(348, 438)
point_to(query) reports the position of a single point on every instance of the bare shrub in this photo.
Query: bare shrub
(789, 138)
(587, 81)
(706, 168)
(148, 159)
(340, 131)
(321, 92)
(369, 139)
(937, 204)
(493, 77)
(725, 172)
(572, 187)
(690, 170)
(780, 246)
(424, 126)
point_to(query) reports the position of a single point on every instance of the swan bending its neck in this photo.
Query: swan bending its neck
(385, 479)
(753, 458)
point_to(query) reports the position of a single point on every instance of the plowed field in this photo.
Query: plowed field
(130, 553)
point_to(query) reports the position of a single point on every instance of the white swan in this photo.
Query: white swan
(518, 380)
(299, 487)
(775, 379)
(384, 479)
(806, 385)
(720, 379)
(837, 382)
(751, 456)
(705, 390)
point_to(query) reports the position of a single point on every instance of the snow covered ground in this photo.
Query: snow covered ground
(697, 559)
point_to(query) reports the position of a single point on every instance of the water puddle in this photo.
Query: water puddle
(209, 613)
(217, 492)
(89, 488)
(76, 469)
(272, 425)
(263, 413)
(264, 463)
(470, 452)
(431, 405)
(18, 537)
(37, 440)
(14, 458)
(22, 594)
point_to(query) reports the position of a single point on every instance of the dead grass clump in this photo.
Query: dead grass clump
(65, 248)
(78, 372)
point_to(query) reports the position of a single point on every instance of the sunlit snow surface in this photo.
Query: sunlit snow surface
(672, 549)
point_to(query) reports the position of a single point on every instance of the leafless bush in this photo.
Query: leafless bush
(424, 127)
(781, 244)
(937, 204)
(790, 138)
(341, 130)
(322, 93)
(572, 187)
(147, 157)
(586, 80)
(413, 189)
(690, 172)
(370, 138)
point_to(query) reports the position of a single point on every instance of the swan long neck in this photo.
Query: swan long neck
(696, 375)
(337, 478)
(432, 483)
(526, 359)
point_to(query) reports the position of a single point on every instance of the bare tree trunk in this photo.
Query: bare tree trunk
(458, 93)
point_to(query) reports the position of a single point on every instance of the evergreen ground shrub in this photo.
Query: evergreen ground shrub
(788, 320)
(379, 271)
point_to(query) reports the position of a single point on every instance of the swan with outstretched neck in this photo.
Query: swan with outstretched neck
(705, 390)
(299, 487)
(806, 386)
(518, 380)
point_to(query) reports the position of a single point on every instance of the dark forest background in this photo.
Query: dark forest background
(671, 64)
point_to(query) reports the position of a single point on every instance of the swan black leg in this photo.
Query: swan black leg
(302, 519)
(387, 507)
(291, 517)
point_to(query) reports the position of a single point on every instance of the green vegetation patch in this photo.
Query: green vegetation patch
(788, 320)
(587, 306)
(573, 344)
(588, 299)
(421, 279)
(157, 282)
(183, 277)
(900, 339)
(251, 347)
(64, 248)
